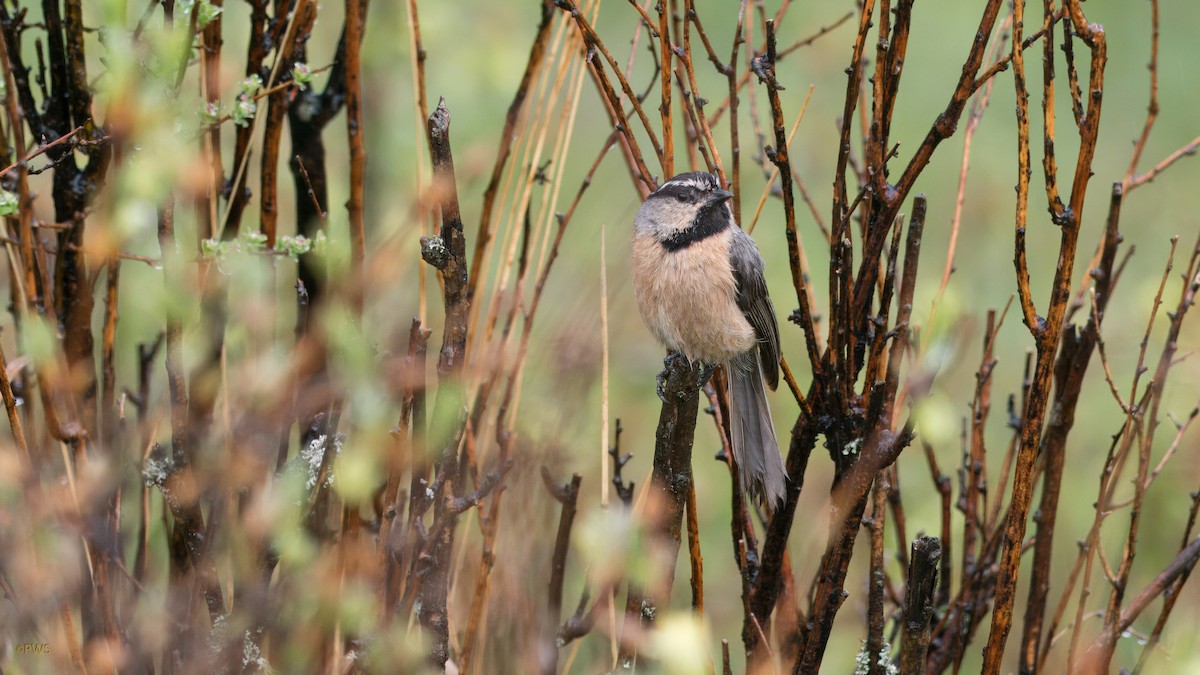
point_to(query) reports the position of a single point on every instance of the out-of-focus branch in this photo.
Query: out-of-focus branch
(592, 39)
(664, 108)
(1182, 564)
(568, 496)
(947, 121)
(355, 11)
(1141, 179)
(620, 122)
(537, 54)
(1099, 654)
(1171, 593)
(435, 585)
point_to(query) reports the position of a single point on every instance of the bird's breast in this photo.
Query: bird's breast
(688, 298)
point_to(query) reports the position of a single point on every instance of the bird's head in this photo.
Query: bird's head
(685, 209)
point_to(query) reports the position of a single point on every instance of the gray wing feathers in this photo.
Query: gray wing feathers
(755, 448)
(754, 302)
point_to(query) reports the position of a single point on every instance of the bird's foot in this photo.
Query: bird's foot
(675, 366)
(704, 374)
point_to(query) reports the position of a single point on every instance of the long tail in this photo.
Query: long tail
(755, 448)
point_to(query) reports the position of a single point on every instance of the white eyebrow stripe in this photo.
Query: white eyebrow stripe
(682, 183)
(687, 182)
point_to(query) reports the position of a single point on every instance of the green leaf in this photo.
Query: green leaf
(210, 114)
(302, 76)
(243, 111)
(206, 13)
(251, 85)
(10, 202)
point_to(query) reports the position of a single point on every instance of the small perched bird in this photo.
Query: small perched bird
(698, 280)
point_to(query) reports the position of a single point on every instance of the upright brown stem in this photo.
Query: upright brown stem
(436, 585)
(875, 584)
(358, 151)
(1046, 332)
(670, 482)
(664, 109)
(568, 496)
(919, 604)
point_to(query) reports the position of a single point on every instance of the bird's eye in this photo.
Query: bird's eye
(683, 198)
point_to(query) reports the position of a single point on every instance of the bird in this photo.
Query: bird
(699, 286)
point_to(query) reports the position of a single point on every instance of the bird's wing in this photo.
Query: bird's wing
(755, 303)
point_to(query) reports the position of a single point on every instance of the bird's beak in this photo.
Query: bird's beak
(718, 196)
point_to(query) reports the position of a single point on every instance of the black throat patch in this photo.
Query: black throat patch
(712, 219)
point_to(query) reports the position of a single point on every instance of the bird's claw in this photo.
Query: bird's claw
(705, 373)
(673, 377)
